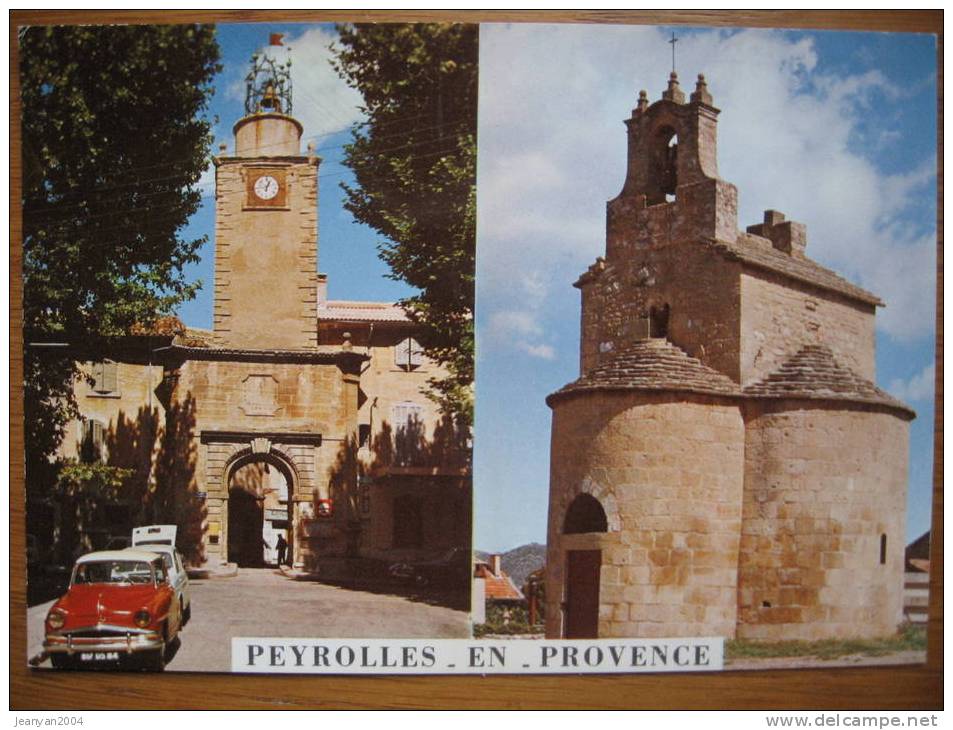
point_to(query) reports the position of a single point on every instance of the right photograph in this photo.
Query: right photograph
(706, 283)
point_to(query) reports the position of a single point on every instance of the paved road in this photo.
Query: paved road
(263, 602)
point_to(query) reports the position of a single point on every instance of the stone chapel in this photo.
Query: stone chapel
(295, 415)
(724, 465)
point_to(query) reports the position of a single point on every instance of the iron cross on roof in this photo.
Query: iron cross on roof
(673, 42)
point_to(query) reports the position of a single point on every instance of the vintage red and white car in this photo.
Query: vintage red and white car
(120, 608)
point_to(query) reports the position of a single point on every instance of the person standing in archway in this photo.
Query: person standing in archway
(282, 547)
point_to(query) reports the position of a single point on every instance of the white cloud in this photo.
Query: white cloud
(917, 388)
(508, 322)
(552, 152)
(544, 352)
(521, 327)
(206, 183)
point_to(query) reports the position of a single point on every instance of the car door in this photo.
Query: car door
(181, 579)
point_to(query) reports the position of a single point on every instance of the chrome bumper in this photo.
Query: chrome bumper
(119, 638)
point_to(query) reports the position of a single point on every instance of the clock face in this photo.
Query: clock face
(266, 187)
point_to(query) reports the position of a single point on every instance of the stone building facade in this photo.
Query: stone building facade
(294, 415)
(724, 465)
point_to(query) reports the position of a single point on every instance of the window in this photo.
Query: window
(92, 441)
(105, 378)
(658, 321)
(364, 435)
(883, 549)
(406, 414)
(408, 354)
(409, 437)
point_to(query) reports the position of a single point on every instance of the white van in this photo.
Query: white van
(161, 539)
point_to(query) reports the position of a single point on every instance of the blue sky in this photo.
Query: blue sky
(836, 130)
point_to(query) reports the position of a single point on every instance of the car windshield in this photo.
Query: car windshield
(114, 571)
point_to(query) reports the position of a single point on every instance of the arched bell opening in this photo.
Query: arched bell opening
(664, 173)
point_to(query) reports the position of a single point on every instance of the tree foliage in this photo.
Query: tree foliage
(414, 163)
(114, 140)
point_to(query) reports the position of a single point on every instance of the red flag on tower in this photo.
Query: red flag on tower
(275, 39)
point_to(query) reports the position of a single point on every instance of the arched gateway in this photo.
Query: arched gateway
(260, 507)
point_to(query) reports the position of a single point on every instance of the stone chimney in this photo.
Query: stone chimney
(495, 565)
(786, 236)
(322, 288)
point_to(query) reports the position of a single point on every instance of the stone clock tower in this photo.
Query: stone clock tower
(266, 227)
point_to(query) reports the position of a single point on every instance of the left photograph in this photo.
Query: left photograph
(235, 426)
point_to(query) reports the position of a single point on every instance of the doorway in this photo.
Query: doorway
(582, 593)
(245, 525)
(585, 516)
(260, 510)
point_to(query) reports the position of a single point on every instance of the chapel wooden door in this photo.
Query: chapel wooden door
(582, 594)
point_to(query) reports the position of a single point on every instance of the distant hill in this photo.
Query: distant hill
(519, 562)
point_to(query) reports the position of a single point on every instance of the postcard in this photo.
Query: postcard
(309, 387)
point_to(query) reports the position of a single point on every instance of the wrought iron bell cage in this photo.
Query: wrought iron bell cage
(268, 85)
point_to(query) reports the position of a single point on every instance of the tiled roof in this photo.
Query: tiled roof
(498, 587)
(246, 354)
(813, 373)
(348, 311)
(653, 364)
(750, 252)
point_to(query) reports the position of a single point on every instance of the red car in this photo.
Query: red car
(120, 608)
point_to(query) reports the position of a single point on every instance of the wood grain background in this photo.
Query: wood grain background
(914, 687)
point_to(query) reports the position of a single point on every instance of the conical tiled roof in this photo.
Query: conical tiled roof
(653, 364)
(813, 373)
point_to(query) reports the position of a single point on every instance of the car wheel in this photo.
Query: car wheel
(61, 661)
(186, 614)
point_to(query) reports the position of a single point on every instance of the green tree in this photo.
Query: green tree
(414, 162)
(114, 139)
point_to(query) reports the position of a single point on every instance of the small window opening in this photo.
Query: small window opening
(364, 435)
(765, 604)
(658, 321)
(585, 514)
(883, 549)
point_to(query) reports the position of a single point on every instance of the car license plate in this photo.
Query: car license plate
(99, 656)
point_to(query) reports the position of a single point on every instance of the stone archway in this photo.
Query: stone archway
(260, 507)
(584, 515)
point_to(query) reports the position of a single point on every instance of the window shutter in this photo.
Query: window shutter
(98, 376)
(408, 354)
(110, 376)
(93, 441)
(415, 352)
(105, 376)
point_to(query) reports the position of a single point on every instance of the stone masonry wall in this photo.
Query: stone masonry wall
(779, 317)
(266, 261)
(136, 385)
(382, 379)
(671, 551)
(262, 398)
(821, 488)
(700, 287)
